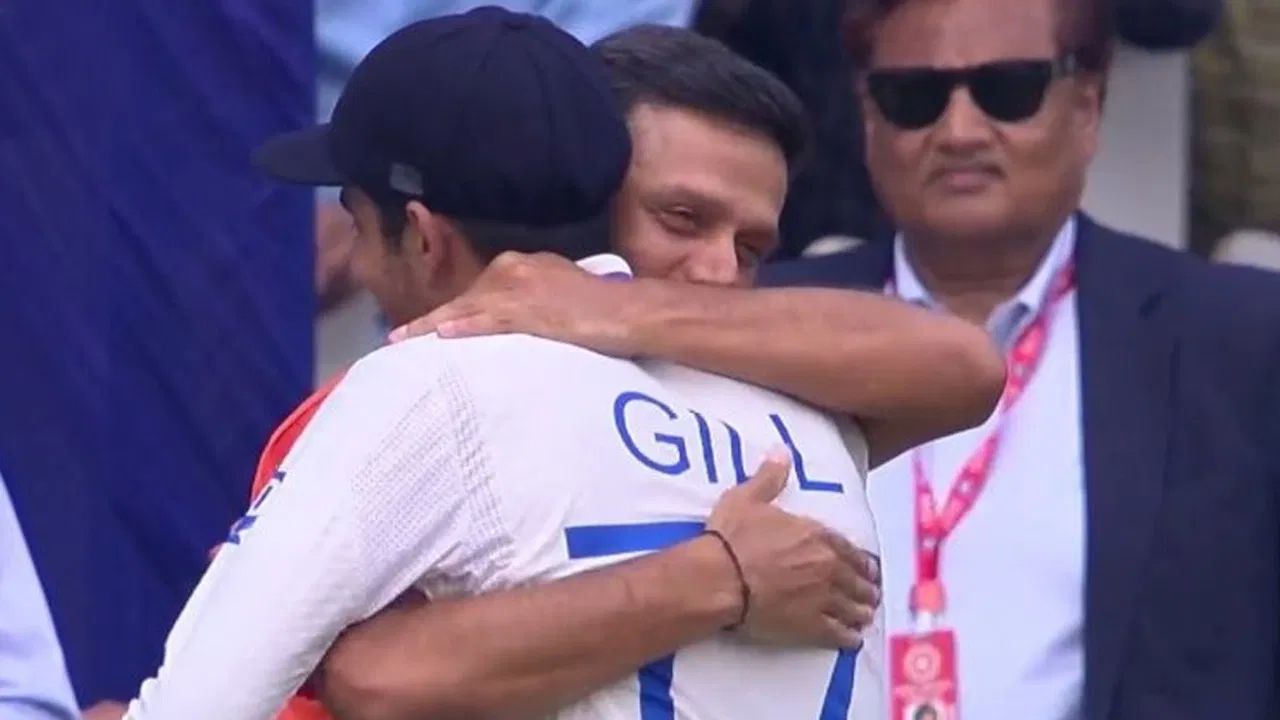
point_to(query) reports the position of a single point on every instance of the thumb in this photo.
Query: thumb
(770, 477)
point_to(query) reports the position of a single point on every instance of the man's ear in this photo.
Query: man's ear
(1090, 96)
(422, 233)
(425, 241)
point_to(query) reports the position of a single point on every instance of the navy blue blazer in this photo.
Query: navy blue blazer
(1180, 384)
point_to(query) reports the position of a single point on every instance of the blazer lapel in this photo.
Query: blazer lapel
(1127, 360)
(865, 267)
(871, 264)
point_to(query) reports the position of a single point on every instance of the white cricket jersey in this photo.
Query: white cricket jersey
(466, 466)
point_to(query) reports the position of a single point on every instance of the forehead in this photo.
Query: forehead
(949, 33)
(677, 148)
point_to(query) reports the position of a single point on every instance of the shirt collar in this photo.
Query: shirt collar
(608, 266)
(1009, 316)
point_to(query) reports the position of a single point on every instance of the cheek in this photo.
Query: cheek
(363, 264)
(648, 247)
(1040, 151)
(369, 263)
(895, 167)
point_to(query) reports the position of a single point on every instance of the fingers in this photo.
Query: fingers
(856, 564)
(838, 635)
(845, 551)
(854, 614)
(472, 325)
(855, 608)
(857, 573)
(454, 319)
(428, 323)
(847, 611)
(850, 582)
(770, 478)
(855, 584)
(851, 605)
(871, 564)
(477, 323)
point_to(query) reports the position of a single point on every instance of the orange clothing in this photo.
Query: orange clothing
(282, 440)
(286, 434)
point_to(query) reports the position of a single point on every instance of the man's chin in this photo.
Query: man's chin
(976, 219)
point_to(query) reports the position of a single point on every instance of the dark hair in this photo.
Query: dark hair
(577, 241)
(490, 239)
(681, 69)
(1086, 30)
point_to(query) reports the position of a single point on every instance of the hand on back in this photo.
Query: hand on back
(543, 295)
(808, 585)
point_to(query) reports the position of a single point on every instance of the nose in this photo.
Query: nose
(715, 263)
(963, 126)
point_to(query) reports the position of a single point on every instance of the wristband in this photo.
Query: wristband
(742, 578)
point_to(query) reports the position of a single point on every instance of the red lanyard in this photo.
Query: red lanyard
(933, 527)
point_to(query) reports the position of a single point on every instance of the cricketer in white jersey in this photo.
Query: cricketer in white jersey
(460, 467)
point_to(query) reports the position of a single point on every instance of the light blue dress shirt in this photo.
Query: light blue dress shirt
(346, 30)
(33, 675)
(1014, 568)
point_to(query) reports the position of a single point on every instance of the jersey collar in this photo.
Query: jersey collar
(608, 266)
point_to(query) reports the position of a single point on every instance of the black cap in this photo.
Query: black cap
(486, 116)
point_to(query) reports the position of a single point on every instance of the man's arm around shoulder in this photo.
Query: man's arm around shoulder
(907, 374)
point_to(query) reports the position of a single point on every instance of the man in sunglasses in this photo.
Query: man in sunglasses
(1108, 544)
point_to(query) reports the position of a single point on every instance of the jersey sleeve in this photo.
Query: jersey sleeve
(373, 497)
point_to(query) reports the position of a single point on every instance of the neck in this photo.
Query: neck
(971, 278)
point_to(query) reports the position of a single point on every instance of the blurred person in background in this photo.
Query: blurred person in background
(800, 43)
(1107, 545)
(33, 677)
(347, 29)
(1235, 177)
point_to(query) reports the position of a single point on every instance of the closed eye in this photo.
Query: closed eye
(680, 219)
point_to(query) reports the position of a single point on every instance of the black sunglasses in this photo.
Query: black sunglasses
(1007, 91)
